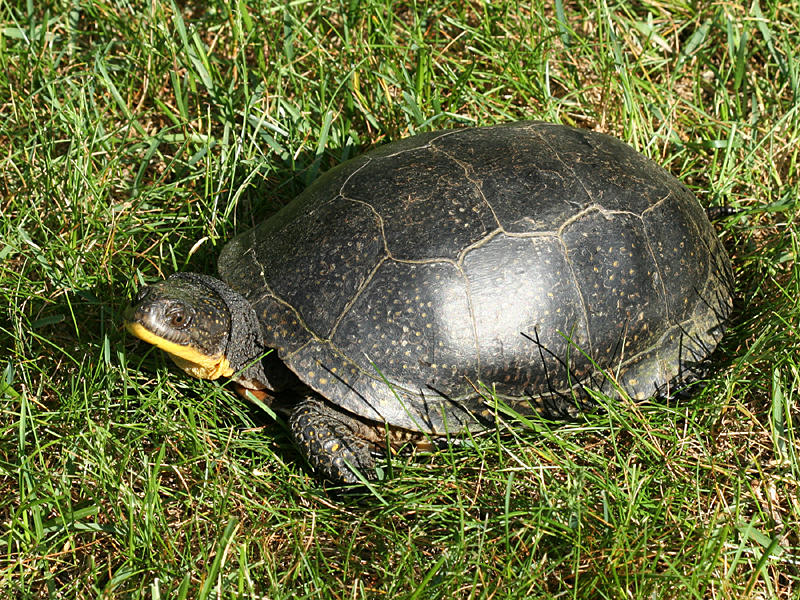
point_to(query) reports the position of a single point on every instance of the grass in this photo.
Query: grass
(135, 138)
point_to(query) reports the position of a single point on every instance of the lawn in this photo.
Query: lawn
(137, 137)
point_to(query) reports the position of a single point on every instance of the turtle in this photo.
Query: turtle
(444, 283)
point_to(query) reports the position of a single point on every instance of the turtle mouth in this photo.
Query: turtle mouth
(192, 360)
(147, 321)
(150, 323)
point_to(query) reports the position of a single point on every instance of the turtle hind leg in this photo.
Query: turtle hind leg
(331, 442)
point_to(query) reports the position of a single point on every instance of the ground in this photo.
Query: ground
(136, 138)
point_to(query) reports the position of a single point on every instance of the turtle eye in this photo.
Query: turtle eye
(178, 317)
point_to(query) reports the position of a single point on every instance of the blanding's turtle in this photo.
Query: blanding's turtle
(434, 283)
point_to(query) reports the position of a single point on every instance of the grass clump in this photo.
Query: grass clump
(136, 138)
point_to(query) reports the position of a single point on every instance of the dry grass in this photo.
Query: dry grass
(135, 139)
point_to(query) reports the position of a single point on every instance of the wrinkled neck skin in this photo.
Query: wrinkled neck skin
(255, 366)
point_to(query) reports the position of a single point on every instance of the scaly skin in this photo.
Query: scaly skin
(331, 441)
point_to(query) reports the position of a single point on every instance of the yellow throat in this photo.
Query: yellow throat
(190, 360)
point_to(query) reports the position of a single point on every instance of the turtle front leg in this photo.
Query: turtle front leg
(331, 441)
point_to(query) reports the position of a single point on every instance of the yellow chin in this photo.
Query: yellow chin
(190, 360)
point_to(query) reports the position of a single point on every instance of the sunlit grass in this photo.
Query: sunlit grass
(136, 139)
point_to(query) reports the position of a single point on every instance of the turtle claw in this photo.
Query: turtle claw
(328, 439)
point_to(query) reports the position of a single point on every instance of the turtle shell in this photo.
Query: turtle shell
(529, 259)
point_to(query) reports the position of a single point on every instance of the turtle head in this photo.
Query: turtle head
(208, 329)
(188, 319)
